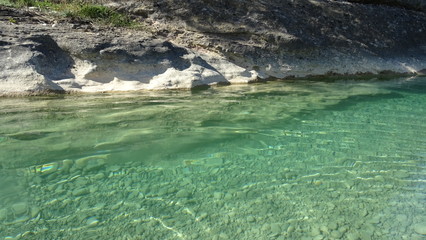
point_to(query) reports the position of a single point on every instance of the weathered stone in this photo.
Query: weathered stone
(92, 221)
(420, 228)
(80, 191)
(3, 214)
(228, 196)
(35, 211)
(183, 193)
(66, 165)
(251, 219)
(275, 228)
(99, 176)
(217, 195)
(20, 208)
(202, 216)
(91, 163)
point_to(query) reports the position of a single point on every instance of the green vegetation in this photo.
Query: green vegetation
(12, 20)
(103, 14)
(77, 9)
(6, 3)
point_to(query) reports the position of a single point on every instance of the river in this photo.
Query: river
(329, 159)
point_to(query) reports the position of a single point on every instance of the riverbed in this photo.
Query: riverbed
(329, 159)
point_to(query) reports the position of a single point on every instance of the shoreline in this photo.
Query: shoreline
(65, 55)
(320, 78)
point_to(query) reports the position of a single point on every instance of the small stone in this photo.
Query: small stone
(92, 221)
(379, 178)
(20, 208)
(420, 228)
(266, 227)
(319, 237)
(51, 188)
(21, 219)
(140, 229)
(401, 218)
(128, 183)
(415, 236)
(401, 174)
(48, 168)
(223, 236)
(195, 236)
(59, 190)
(117, 205)
(336, 234)
(366, 234)
(202, 216)
(364, 212)
(183, 193)
(217, 195)
(214, 162)
(315, 231)
(81, 182)
(3, 214)
(250, 219)
(353, 236)
(163, 191)
(317, 182)
(228, 196)
(113, 168)
(275, 228)
(35, 211)
(80, 191)
(171, 190)
(291, 229)
(240, 195)
(91, 163)
(99, 176)
(93, 188)
(374, 220)
(343, 229)
(324, 229)
(66, 165)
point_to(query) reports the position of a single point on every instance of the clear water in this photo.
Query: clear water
(282, 160)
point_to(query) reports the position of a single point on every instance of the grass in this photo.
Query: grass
(77, 9)
(103, 14)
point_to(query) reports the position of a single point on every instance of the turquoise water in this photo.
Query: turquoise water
(281, 160)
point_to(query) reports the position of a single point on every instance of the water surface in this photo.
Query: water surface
(281, 160)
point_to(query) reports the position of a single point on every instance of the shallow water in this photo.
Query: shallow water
(282, 160)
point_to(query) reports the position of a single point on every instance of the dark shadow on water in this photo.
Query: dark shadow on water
(354, 100)
(28, 136)
(418, 86)
(343, 105)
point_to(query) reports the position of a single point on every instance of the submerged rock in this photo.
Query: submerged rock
(3, 214)
(92, 221)
(183, 193)
(20, 208)
(420, 228)
(91, 162)
(80, 191)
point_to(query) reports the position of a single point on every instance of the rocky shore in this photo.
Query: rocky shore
(186, 44)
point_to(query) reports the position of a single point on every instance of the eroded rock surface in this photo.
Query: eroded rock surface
(185, 44)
